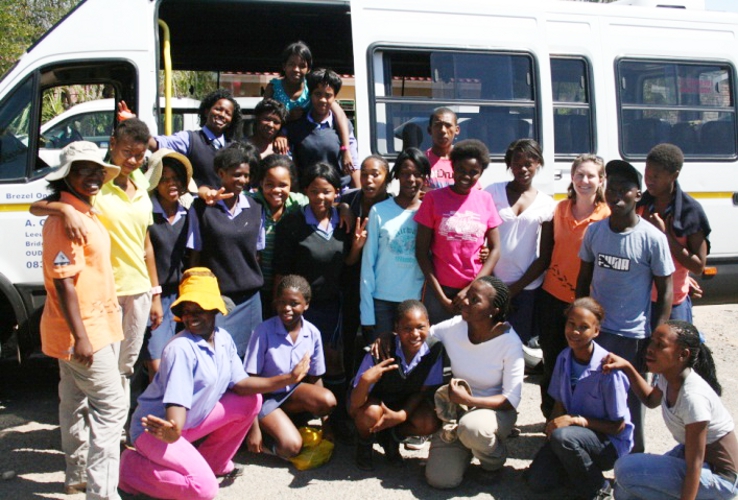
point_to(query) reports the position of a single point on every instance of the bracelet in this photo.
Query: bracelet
(156, 290)
(343, 148)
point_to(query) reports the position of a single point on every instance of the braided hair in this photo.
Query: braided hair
(501, 300)
(700, 356)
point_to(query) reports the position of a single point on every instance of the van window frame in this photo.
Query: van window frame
(676, 62)
(375, 50)
(589, 105)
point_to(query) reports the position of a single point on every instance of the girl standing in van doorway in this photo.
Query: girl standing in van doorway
(291, 90)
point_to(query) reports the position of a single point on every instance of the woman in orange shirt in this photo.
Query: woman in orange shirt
(584, 205)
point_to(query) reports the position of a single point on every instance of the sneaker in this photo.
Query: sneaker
(364, 452)
(415, 442)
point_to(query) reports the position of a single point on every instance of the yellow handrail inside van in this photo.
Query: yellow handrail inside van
(167, 79)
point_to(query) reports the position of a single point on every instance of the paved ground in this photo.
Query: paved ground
(29, 442)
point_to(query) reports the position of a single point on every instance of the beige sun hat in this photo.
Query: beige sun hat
(82, 151)
(199, 285)
(156, 167)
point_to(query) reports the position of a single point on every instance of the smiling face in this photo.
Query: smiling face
(86, 178)
(127, 154)
(290, 306)
(276, 187)
(621, 195)
(586, 179)
(197, 320)
(412, 329)
(443, 129)
(659, 181)
(663, 353)
(411, 180)
(268, 126)
(170, 186)
(523, 168)
(477, 307)
(322, 99)
(321, 195)
(581, 327)
(235, 179)
(220, 116)
(373, 179)
(466, 174)
(295, 69)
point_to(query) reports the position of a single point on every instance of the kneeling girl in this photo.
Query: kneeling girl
(276, 347)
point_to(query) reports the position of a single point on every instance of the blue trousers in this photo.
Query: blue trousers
(660, 477)
(575, 453)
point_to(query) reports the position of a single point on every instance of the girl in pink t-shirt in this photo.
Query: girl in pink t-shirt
(453, 223)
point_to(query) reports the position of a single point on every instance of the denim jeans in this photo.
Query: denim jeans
(660, 477)
(521, 315)
(436, 312)
(681, 312)
(574, 452)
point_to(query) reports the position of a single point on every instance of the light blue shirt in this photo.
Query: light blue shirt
(311, 220)
(389, 269)
(192, 374)
(271, 351)
(180, 141)
(624, 267)
(596, 395)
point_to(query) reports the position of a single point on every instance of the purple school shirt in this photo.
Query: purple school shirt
(435, 375)
(271, 351)
(596, 395)
(192, 374)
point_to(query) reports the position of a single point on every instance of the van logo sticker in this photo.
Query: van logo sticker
(61, 260)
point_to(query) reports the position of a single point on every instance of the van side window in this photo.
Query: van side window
(690, 104)
(493, 94)
(572, 107)
(15, 127)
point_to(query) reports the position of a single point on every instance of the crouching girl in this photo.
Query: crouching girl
(392, 399)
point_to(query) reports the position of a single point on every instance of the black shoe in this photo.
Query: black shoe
(340, 430)
(364, 452)
(391, 447)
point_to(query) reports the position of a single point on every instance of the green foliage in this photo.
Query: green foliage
(22, 22)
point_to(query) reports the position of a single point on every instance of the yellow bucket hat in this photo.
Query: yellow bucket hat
(199, 285)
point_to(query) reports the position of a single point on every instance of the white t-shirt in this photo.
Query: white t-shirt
(519, 234)
(696, 402)
(492, 367)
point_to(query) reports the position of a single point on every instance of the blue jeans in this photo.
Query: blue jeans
(575, 453)
(681, 312)
(521, 315)
(155, 340)
(242, 321)
(384, 317)
(660, 477)
(436, 312)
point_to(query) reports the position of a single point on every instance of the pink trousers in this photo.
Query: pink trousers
(181, 471)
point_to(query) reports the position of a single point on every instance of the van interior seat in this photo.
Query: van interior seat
(572, 134)
(718, 137)
(684, 135)
(641, 135)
